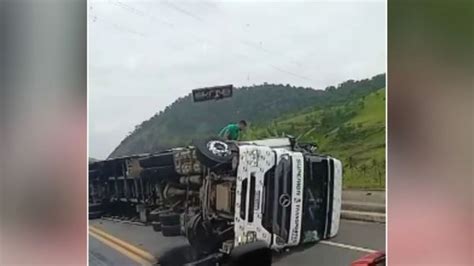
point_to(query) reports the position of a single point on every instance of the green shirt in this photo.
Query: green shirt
(232, 130)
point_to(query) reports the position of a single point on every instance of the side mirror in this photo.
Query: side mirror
(256, 253)
(292, 141)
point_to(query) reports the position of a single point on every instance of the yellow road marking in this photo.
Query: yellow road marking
(127, 249)
(125, 252)
(123, 244)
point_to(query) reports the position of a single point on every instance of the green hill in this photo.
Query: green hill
(353, 131)
(185, 120)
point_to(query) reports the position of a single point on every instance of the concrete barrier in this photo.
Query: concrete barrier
(363, 206)
(363, 216)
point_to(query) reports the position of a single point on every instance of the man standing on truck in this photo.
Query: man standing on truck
(232, 131)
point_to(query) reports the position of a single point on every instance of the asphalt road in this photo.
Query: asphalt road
(102, 255)
(353, 241)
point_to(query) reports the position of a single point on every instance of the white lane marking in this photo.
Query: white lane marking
(340, 245)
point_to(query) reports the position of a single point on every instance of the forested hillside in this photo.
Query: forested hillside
(353, 131)
(184, 120)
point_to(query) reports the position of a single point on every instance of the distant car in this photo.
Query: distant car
(372, 259)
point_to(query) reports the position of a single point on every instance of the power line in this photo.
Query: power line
(199, 39)
(141, 13)
(290, 73)
(118, 27)
(261, 48)
(183, 11)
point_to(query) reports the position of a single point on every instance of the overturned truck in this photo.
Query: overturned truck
(223, 194)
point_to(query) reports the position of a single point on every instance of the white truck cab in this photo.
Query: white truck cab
(284, 197)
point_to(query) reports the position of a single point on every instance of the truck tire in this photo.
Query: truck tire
(169, 219)
(163, 159)
(153, 215)
(214, 152)
(170, 230)
(200, 236)
(156, 226)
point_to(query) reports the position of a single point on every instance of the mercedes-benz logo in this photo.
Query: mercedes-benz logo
(285, 200)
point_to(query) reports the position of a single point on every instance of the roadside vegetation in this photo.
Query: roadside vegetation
(353, 131)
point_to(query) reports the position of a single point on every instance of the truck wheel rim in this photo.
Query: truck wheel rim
(218, 148)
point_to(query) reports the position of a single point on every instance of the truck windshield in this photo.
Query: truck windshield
(277, 197)
(318, 189)
(268, 187)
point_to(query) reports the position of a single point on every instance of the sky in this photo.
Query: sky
(145, 54)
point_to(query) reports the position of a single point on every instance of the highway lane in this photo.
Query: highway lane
(353, 241)
(364, 234)
(140, 236)
(102, 255)
(319, 255)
